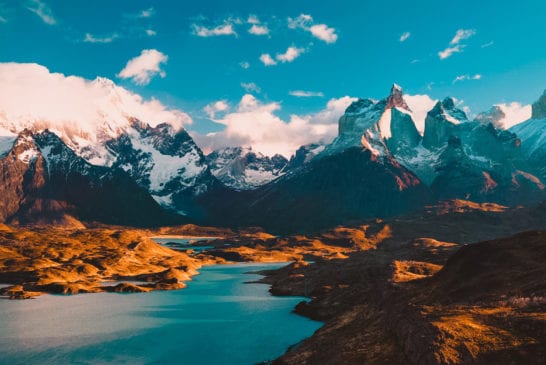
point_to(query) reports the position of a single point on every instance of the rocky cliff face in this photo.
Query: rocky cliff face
(441, 123)
(44, 181)
(539, 108)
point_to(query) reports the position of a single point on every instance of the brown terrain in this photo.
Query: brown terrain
(71, 261)
(410, 290)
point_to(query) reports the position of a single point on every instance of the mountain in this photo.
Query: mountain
(455, 157)
(329, 190)
(380, 165)
(44, 181)
(241, 168)
(532, 134)
(110, 131)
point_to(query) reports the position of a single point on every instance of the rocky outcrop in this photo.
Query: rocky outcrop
(441, 123)
(395, 99)
(539, 108)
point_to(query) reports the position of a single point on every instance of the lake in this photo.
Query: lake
(185, 243)
(217, 319)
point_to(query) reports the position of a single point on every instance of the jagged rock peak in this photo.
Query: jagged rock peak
(396, 99)
(448, 109)
(539, 108)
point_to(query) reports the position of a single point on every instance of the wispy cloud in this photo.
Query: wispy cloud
(467, 77)
(3, 18)
(289, 56)
(217, 107)
(404, 37)
(257, 28)
(147, 13)
(251, 87)
(461, 35)
(144, 67)
(449, 51)
(455, 43)
(224, 29)
(90, 38)
(42, 10)
(306, 94)
(488, 44)
(142, 14)
(320, 31)
(150, 32)
(244, 64)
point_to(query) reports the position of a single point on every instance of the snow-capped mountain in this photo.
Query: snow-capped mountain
(455, 157)
(115, 128)
(44, 181)
(241, 168)
(532, 135)
(107, 154)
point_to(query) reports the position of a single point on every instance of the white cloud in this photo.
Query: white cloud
(143, 68)
(324, 33)
(2, 18)
(420, 105)
(89, 38)
(467, 77)
(251, 87)
(319, 31)
(256, 124)
(461, 35)
(405, 36)
(488, 44)
(267, 60)
(244, 64)
(514, 113)
(223, 29)
(41, 9)
(253, 19)
(216, 107)
(73, 105)
(306, 94)
(456, 46)
(259, 29)
(302, 21)
(290, 55)
(449, 51)
(151, 32)
(147, 13)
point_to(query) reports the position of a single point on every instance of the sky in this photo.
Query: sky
(257, 71)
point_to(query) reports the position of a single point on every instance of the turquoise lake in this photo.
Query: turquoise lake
(217, 319)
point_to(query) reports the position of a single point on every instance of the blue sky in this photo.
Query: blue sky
(343, 47)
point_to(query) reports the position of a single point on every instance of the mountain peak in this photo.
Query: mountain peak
(539, 108)
(396, 99)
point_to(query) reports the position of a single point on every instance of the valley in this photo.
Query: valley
(414, 236)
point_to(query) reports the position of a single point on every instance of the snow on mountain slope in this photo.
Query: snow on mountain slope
(243, 169)
(7, 139)
(532, 134)
(107, 125)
